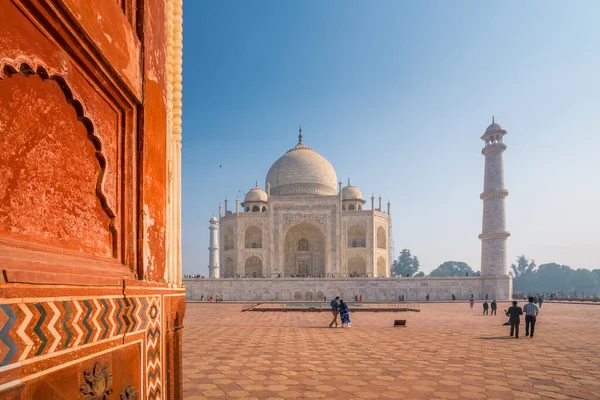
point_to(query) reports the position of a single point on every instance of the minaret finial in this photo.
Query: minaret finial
(300, 135)
(256, 183)
(493, 120)
(348, 181)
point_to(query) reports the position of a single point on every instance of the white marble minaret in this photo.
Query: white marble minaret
(213, 248)
(493, 236)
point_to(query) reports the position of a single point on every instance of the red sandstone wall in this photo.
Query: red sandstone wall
(82, 202)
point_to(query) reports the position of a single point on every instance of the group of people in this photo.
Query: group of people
(486, 308)
(530, 310)
(340, 307)
(514, 313)
(210, 299)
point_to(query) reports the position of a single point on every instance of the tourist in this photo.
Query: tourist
(427, 297)
(493, 306)
(485, 307)
(324, 299)
(540, 301)
(486, 296)
(335, 305)
(344, 314)
(360, 299)
(514, 313)
(531, 312)
(471, 302)
(453, 296)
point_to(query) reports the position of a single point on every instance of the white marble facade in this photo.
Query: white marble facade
(304, 224)
(307, 224)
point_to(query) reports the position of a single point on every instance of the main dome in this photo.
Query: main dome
(302, 171)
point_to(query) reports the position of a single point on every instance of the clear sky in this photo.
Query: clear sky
(395, 94)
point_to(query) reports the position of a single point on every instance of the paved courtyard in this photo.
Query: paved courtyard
(446, 351)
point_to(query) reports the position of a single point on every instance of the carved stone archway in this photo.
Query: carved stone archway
(305, 250)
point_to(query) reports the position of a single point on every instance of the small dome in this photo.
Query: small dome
(494, 127)
(351, 193)
(213, 219)
(256, 194)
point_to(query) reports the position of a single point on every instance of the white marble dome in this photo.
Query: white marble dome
(256, 195)
(302, 171)
(351, 193)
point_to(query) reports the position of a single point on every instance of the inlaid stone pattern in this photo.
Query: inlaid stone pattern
(49, 327)
(289, 219)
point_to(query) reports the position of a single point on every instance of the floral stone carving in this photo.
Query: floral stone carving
(97, 383)
(130, 393)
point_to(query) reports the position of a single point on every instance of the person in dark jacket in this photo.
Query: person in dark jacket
(485, 307)
(493, 306)
(514, 313)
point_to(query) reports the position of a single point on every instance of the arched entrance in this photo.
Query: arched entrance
(357, 266)
(304, 251)
(253, 267)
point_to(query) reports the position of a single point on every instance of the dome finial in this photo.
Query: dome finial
(348, 181)
(300, 135)
(256, 183)
(493, 120)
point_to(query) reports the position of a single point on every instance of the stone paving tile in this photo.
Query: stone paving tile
(447, 351)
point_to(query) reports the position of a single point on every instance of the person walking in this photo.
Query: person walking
(471, 302)
(514, 313)
(360, 299)
(493, 307)
(335, 310)
(540, 301)
(345, 314)
(531, 311)
(485, 307)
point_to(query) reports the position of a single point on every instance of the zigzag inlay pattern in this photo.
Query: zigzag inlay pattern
(38, 328)
(86, 324)
(65, 327)
(153, 348)
(28, 330)
(4, 335)
(103, 318)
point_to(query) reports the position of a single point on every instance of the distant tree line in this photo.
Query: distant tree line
(407, 265)
(553, 277)
(528, 277)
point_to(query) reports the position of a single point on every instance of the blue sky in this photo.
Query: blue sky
(395, 94)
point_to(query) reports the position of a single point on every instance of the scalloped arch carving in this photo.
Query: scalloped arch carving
(51, 181)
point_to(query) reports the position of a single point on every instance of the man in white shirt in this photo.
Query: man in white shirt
(531, 311)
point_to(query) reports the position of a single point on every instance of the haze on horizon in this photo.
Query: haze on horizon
(396, 95)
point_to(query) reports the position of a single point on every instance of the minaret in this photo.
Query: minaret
(213, 248)
(493, 236)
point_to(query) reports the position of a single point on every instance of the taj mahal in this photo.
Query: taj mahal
(304, 225)
(306, 236)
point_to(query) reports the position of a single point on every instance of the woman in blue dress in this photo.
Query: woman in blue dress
(344, 314)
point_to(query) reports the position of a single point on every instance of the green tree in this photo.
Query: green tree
(452, 268)
(420, 274)
(405, 264)
(522, 267)
(584, 280)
